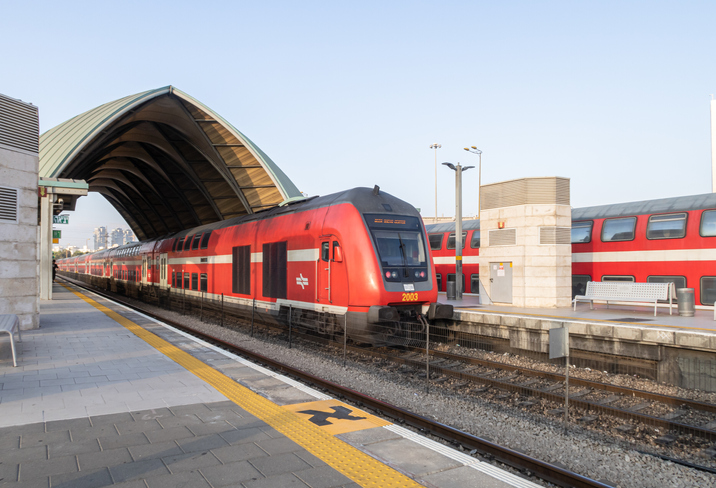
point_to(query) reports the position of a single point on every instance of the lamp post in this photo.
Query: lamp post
(475, 150)
(458, 226)
(436, 146)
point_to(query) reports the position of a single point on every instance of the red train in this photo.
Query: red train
(665, 240)
(360, 253)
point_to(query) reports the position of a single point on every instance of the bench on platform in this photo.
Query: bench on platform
(624, 291)
(10, 324)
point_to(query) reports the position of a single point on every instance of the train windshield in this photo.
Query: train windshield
(401, 247)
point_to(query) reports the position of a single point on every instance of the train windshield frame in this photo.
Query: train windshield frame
(400, 243)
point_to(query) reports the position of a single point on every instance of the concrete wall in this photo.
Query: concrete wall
(19, 263)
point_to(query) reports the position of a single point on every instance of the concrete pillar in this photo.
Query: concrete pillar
(46, 206)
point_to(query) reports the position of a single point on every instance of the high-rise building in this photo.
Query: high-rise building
(100, 238)
(128, 236)
(117, 237)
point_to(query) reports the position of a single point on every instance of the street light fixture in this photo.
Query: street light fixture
(436, 146)
(475, 150)
(458, 226)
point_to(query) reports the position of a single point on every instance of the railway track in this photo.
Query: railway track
(485, 449)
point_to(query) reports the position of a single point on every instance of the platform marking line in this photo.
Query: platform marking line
(346, 459)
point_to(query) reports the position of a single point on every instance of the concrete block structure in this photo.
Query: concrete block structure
(525, 248)
(19, 160)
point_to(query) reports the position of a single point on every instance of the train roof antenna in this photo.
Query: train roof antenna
(376, 190)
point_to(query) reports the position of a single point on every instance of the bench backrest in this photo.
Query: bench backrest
(626, 289)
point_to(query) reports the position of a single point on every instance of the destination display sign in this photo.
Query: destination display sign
(61, 219)
(377, 221)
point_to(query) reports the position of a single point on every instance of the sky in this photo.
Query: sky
(614, 95)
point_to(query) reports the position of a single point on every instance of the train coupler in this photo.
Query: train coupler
(439, 311)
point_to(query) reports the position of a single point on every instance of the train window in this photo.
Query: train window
(241, 270)
(174, 245)
(205, 240)
(582, 231)
(203, 282)
(579, 284)
(187, 277)
(195, 244)
(174, 279)
(667, 226)
(678, 281)
(180, 244)
(618, 229)
(475, 283)
(618, 278)
(439, 278)
(325, 251)
(475, 241)
(436, 241)
(708, 224)
(451, 240)
(274, 270)
(195, 281)
(708, 290)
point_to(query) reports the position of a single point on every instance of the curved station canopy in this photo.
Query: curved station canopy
(165, 161)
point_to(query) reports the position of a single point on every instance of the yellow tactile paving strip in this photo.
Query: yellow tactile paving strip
(354, 464)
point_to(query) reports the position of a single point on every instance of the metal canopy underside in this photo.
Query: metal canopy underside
(165, 161)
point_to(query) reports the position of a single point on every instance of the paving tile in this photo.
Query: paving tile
(190, 409)
(158, 413)
(102, 459)
(138, 470)
(111, 419)
(191, 461)
(206, 428)
(95, 432)
(32, 439)
(203, 443)
(279, 464)
(35, 483)
(239, 452)
(155, 451)
(282, 480)
(59, 449)
(135, 426)
(227, 415)
(231, 474)
(114, 442)
(67, 424)
(279, 446)
(130, 484)
(310, 458)
(323, 477)
(242, 436)
(9, 470)
(172, 433)
(192, 479)
(9, 439)
(49, 467)
(411, 457)
(82, 479)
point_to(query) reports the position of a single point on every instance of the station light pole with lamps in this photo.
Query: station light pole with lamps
(458, 226)
(436, 146)
(475, 150)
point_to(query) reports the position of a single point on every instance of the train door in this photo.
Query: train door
(330, 270)
(145, 279)
(163, 270)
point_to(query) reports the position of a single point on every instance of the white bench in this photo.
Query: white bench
(9, 323)
(624, 291)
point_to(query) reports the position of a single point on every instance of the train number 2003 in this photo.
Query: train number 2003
(410, 297)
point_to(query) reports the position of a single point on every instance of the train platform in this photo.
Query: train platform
(617, 315)
(104, 396)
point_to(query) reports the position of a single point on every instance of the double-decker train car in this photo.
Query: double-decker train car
(361, 253)
(664, 240)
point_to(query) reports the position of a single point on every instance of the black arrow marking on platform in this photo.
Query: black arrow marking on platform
(321, 418)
